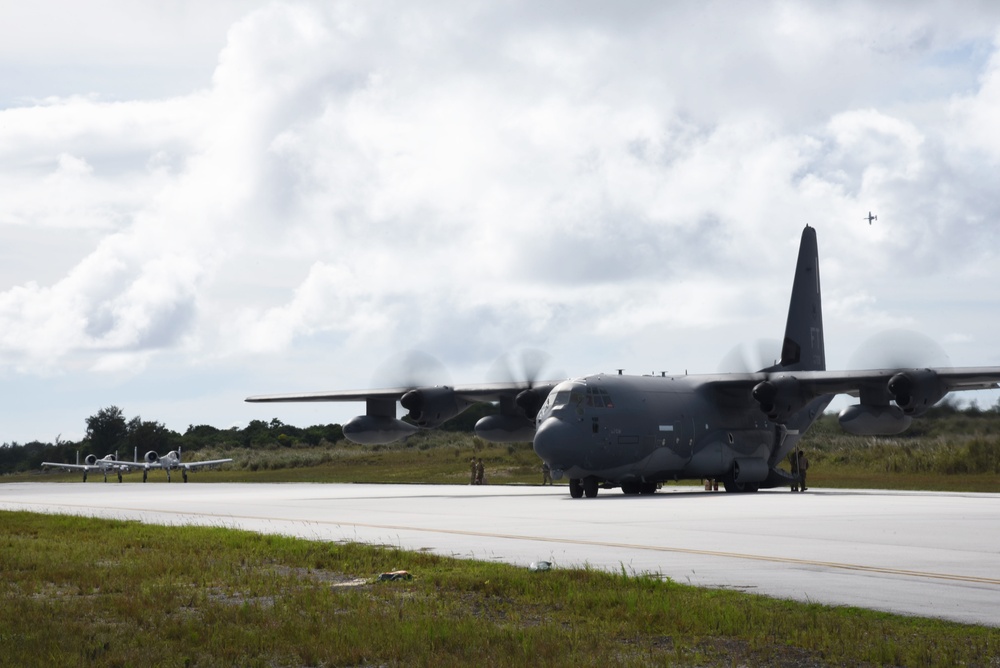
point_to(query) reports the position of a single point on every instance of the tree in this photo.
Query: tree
(144, 436)
(107, 430)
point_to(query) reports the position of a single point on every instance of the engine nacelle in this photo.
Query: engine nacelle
(749, 469)
(90, 460)
(377, 429)
(505, 429)
(151, 457)
(430, 406)
(916, 391)
(530, 401)
(862, 420)
(780, 398)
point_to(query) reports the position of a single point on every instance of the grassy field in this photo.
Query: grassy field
(103, 592)
(963, 462)
(120, 593)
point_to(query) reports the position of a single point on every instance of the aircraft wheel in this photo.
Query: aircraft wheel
(575, 488)
(119, 476)
(144, 474)
(740, 487)
(590, 486)
(648, 488)
(631, 488)
(185, 476)
(85, 476)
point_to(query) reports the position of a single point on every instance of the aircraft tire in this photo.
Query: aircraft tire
(734, 487)
(647, 488)
(575, 488)
(590, 487)
(631, 488)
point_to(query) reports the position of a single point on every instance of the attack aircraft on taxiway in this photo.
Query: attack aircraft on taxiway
(171, 462)
(636, 432)
(168, 462)
(92, 463)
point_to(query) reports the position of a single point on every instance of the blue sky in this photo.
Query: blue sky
(204, 201)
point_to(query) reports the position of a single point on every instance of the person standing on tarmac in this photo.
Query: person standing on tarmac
(480, 471)
(546, 474)
(799, 467)
(472, 471)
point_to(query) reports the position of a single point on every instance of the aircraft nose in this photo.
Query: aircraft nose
(555, 441)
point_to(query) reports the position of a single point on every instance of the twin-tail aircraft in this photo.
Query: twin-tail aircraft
(636, 432)
(172, 462)
(92, 463)
(168, 462)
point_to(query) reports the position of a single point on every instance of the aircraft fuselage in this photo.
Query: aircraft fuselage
(621, 429)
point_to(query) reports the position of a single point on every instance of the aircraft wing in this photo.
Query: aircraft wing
(198, 465)
(347, 395)
(71, 467)
(856, 383)
(860, 383)
(480, 392)
(125, 467)
(430, 407)
(888, 397)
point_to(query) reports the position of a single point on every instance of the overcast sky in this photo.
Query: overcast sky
(203, 201)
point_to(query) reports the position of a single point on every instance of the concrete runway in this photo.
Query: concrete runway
(916, 553)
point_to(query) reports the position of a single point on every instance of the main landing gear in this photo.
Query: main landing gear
(634, 487)
(581, 486)
(734, 487)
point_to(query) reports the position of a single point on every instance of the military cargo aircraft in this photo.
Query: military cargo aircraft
(636, 432)
(92, 463)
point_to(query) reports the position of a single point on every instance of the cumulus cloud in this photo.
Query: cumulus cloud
(358, 178)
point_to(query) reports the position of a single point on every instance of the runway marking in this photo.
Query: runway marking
(578, 541)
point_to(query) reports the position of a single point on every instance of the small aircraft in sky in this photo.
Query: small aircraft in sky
(172, 461)
(92, 463)
(870, 218)
(636, 432)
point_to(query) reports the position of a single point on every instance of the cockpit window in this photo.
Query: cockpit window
(599, 398)
(567, 393)
(562, 398)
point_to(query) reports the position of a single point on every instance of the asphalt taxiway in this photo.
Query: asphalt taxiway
(929, 554)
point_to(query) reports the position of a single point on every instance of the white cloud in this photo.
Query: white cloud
(627, 185)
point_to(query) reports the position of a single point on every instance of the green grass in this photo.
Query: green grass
(441, 465)
(87, 591)
(953, 452)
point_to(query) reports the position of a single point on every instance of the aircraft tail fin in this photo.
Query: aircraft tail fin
(803, 348)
